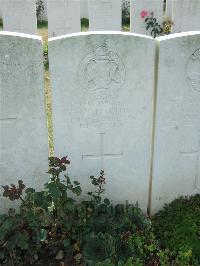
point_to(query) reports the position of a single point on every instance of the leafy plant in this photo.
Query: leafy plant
(13, 192)
(52, 225)
(177, 228)
(84, 24)
(45, 223)
(125, 12)
(152, 24)
(45, 56)
(1, 23)
(39, 9)
(167, 26)
(98, 247)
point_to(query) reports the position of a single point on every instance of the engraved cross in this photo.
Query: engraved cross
(195, 153)
(102, 155)
(8, 119)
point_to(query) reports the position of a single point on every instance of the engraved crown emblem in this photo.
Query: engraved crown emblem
(101, 69)
(102, 52)
(193, 70)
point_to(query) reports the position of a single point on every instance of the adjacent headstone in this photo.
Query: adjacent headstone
(1, 8)
(168, 9)
(102, 109)
(23, 129)
(185, 14)
(105, 15)
(137, 14)
(63, 17)
(177, 133)
(84, 8)
(20, 16)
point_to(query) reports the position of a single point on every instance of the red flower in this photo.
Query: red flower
(143, 14)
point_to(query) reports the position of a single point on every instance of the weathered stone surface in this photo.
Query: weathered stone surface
(63, 17)
(138, 24)
(177, 136)
(19, 16)
(84, 8)
(102, 109)
(185, 14)
(1, 8)
(105, 15)
(23, 130)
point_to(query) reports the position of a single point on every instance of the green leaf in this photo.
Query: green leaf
(107, 201)
(53, 190)
(70, 206)
(29, 190)
(51, 208)
(68, 179)
(38, 198)
(66, 243)
(77, 190)
(7, 225)
(22, 240)
(42, 235)
(2, 255)
(94, 182)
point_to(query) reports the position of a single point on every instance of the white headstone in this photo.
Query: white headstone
(1, 8)
(105, 15)
(20, 16)
(138, 24)
(185, 14)
(63, 17)
(177, 133)
(102, 109)
(23, 130)
(84, 8)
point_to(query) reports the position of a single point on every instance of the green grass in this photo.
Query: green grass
(84, 24)
(1, 24)
(126, 26)
(177, 228)
(42, 24)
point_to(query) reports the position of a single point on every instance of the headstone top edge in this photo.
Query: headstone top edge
(93, 33)
(178, 35)
(21, 35)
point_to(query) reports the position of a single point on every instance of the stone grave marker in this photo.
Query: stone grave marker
(19, 16)
(63, 17)
(185, 14)
(176, 170)
(84, 8)
(23, 127)
(105, 15)
(102, 100)
(1, 1)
